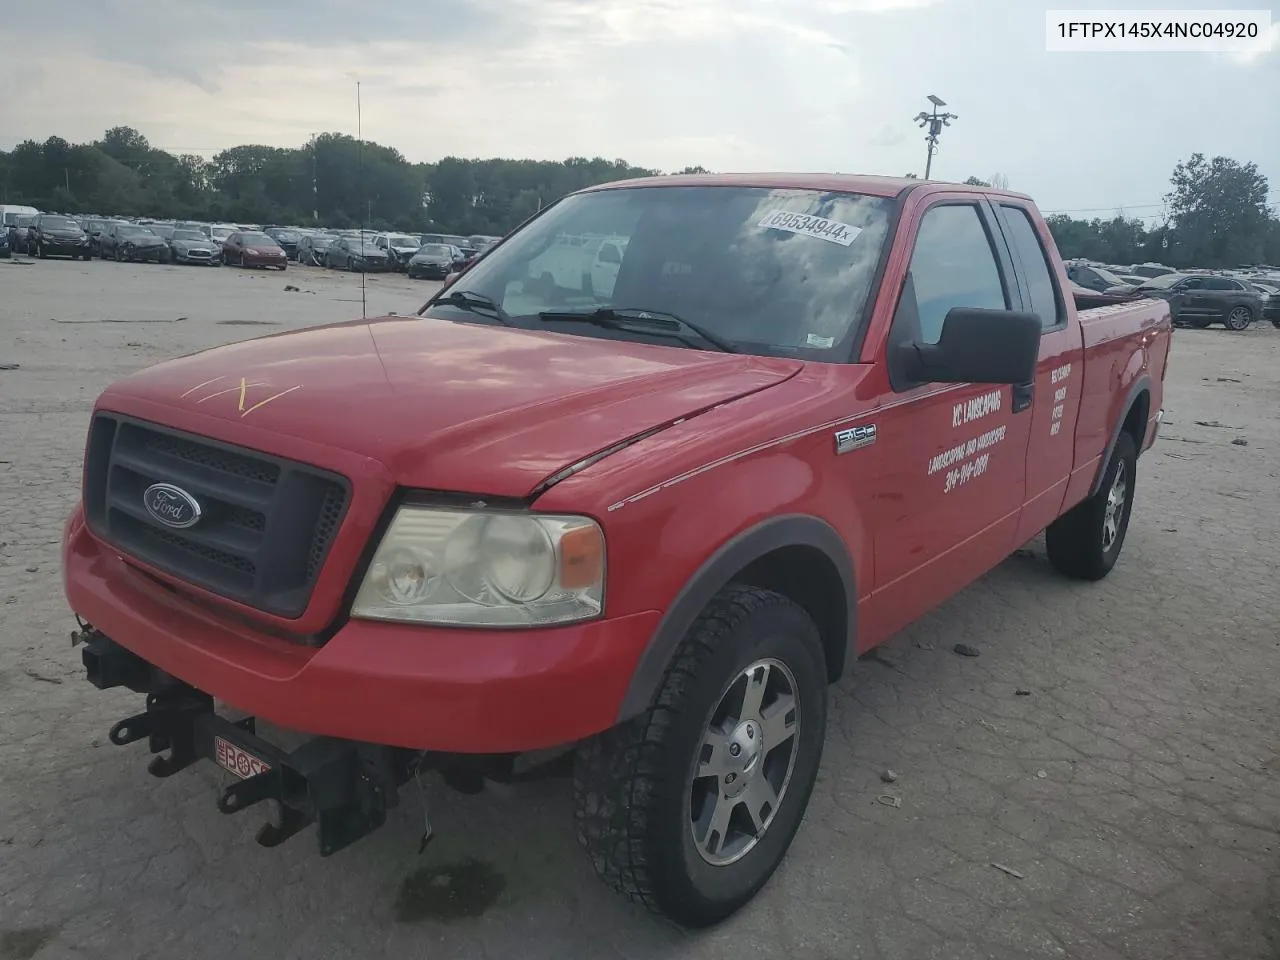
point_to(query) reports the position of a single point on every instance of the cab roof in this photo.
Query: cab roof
(826, 182)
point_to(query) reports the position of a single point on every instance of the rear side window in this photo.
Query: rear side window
(953, 265)
(1035, 265)
(1222, 283)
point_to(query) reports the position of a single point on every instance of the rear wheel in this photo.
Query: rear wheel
(689, 808)
(1239, 318)
(1085, 542)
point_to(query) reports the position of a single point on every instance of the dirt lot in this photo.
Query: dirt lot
(1131, 796)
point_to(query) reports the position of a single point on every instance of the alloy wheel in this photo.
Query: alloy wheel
(745, 761)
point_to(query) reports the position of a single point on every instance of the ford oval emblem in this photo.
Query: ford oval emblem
(171, 505)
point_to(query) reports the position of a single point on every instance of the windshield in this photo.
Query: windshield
(289, 235)
(320, 242)
(133, 231)
(1161, 283)
(400, 240)
(59, 223)
(189, 235)
(436, 250)
(258, 240)
(24, 219)
(783, 272)
(220, 233)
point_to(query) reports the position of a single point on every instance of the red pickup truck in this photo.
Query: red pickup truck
(635, 519)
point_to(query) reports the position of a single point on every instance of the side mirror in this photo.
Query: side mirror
(977, 346)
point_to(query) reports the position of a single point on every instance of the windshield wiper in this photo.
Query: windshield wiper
(637, 320)
(471, 301)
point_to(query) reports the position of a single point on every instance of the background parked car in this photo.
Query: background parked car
(253, 249)
(218, 232)
(312, 248)
(6, 251)
(17, 231)
(192, 246)
(1093, 276)
(53, 235)
(287, 238)
(461, 244)
(95, 229)
(433, 261)
(1271, 306)
(399, 248)
(1198, 299)
(354, 253)
(123, 241)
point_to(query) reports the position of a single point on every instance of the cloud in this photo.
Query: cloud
(729, 84)
(886, 136)
(1265, 47)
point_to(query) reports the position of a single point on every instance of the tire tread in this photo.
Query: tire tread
(619, 770)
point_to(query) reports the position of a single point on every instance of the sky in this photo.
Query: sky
(733, 85)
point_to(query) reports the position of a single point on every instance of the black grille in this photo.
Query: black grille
(266, 523)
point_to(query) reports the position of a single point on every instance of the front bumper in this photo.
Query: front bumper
(65, 247)
(424, 688)
(146, 253)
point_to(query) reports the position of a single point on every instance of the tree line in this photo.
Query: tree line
(1217, 212)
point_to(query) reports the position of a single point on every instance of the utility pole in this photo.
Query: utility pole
(315, 183)
(935, 122)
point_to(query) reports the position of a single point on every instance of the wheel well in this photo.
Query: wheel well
(1135, 422)
(807, 576)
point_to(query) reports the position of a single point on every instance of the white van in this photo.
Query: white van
(10, 212)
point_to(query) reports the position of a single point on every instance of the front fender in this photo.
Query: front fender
(789, 530)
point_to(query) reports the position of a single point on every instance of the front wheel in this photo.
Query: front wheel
(1238, 319)
(690, 807)
(1085, 542)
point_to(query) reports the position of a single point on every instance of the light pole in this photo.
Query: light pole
(935, 122)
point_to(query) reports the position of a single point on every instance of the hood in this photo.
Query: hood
(264, 250)
(432, 258)
(443, 405)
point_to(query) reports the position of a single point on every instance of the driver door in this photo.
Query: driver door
(954, 479)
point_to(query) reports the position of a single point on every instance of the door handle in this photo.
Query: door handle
(1023, 394)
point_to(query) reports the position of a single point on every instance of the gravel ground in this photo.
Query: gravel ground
(1102, 782)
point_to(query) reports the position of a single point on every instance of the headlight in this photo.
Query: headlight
(484, 568)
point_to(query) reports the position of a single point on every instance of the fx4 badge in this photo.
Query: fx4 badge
(855, 438)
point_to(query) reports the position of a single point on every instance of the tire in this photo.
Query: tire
(634, 787)
(128, 253)
(116, 251)
(1238, 318)
(1085, 542)
(1200, 323)
(41, 252)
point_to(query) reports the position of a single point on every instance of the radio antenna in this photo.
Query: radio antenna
(364, 303)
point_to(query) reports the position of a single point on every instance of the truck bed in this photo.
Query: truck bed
(1124, 345)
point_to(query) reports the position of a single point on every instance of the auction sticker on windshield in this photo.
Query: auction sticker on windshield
(833, 231)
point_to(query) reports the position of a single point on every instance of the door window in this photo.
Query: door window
(1025, 240)
(953, 265)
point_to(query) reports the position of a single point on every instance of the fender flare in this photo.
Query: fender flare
(789, 530)
(1135, 391)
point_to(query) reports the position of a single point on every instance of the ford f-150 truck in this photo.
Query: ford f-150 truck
(638, 529)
